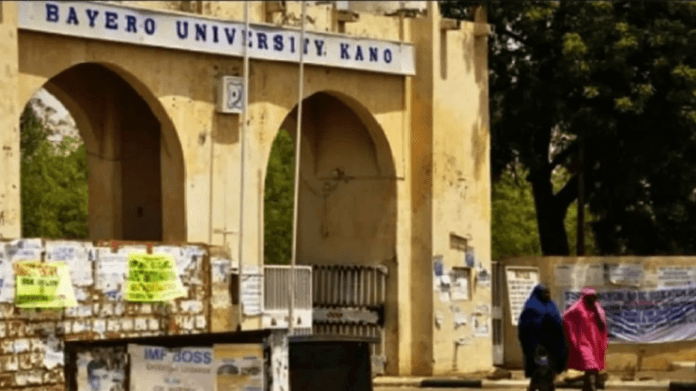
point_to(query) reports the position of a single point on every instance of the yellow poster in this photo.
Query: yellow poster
(43, 285)
(240, 367)
(152, 277)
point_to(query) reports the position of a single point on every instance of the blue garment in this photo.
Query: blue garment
(541, 324)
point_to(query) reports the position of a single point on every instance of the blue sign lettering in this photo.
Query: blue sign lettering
(92, 16)
(359, 53)
(154, 353)
(374, 56)
(319, 43)
(130, 23)
(344, 51)
(262, 41)
(111, 20)
(215, 34)
(200, 32)
(182, 34)
(230, 35)
(72, 17)
(51, 12)
(387, 56)
(278, 42)
(149, 26)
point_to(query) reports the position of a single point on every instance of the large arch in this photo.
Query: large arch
(135, 159)
(348, 195)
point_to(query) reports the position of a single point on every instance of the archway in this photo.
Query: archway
(135, 171)
(347, 212)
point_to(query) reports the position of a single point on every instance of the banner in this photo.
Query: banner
(156, 368)
(152, 277)
(647, 316)
(43, 285)
(521, 282)
(239, 367)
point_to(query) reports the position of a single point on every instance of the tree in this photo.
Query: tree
(622, 75)
(53, 183)
(279, 200)
(514, 229)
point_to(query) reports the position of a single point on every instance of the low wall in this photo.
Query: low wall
(31, 353)
(562, 274)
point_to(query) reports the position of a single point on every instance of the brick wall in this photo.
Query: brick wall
(32, 341)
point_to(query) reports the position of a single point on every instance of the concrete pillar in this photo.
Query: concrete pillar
(425, 39)
(10, 111)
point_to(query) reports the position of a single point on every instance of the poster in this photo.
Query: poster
(481, 326)
(438, 266)
(563, 275)
(6, 277)
(579, 275)
(521, 282)
(460, 285)
(101, 369)
(470, 258)
(252, 293)
(43, 285)
(676, 276)
(78, 256)
(155, 368)
(239, 367)
(152, 277)
(483, 278)
(647, 316)
(624, 274)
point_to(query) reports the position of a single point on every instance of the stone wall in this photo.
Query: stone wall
(32, 341)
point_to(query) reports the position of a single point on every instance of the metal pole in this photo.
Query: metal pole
(298, 143)
(242, 140)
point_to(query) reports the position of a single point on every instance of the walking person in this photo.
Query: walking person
(586, 329)
(543, 343)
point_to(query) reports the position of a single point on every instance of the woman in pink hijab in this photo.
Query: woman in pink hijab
(585, 325)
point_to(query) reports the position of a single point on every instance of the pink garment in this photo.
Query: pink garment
(587, 343)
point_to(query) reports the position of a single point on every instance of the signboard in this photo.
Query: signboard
(43, 285)
(624, 274)
(239, 367)
(673, 276)
(116, 23)
(154, 368)
(152, 277)
(521, 282)
(648, 316)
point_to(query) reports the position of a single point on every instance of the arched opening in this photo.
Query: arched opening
(347, 202)
(347, 215)
(131, 165)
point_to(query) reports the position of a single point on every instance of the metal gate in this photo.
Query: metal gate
(498, 277)
(349, 301)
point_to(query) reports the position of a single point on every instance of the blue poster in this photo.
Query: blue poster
(650, 316)
(438, 267)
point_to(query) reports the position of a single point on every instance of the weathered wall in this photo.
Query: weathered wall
(620, 356)
(27, 357)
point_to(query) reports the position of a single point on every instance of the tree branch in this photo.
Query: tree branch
(568, 193)
(561, 156)
(514, 36)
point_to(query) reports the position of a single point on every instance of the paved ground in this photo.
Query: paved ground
(490, 389)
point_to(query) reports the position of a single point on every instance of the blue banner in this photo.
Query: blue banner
(649, 316)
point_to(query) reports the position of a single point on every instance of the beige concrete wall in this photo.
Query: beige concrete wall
(451, 190)
(620, 356)
(424, 139)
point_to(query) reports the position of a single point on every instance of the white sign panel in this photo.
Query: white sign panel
(625, 274)
(521, 282)
(673, 276)
(252, 293)
(158, 368)
(168, 30)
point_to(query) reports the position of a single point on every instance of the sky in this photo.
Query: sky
(51, 101)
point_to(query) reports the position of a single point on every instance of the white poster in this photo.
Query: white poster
(154, 368)
(252, 294)
(624, 274)
(521, 282)
(460, 287)
(675, 276)
(78, 256)
(6, 278)
(481, 326)
(563, 275)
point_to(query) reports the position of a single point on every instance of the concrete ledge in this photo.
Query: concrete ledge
(517, 384)
(683, 365)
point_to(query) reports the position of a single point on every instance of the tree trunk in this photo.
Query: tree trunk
(550, 218)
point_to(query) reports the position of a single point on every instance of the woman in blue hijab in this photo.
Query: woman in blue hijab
(543, 343)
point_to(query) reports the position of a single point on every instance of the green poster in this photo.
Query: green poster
(152, 277)
(43, 285)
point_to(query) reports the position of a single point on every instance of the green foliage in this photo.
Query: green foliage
(53, 183)
(279, 200)
(514, 228)
(623, 74)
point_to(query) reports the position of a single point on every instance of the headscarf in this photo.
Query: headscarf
(540, 324)
(587, 339)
